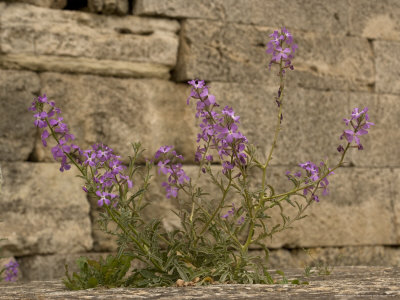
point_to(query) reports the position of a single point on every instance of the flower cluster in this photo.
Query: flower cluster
(105, 167)
(176, 175)
(314, 174)
(281, 52)
(11, 271)
(107, 170)
(219, 131)
(58, 129)
(359, 122)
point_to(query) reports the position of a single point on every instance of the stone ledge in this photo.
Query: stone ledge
(344, 283)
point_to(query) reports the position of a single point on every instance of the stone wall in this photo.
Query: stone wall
(118, 68)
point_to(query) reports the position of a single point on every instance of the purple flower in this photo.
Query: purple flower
(90, 158)
(176, 175)
(162, 150)
(171, 190)
(280, 53)
(315, 174)
(287, 36)
(45, 135)
(103, 198)
(359, 122)
(164, 167)
(39, 122)
(196, 85)
(11, 271)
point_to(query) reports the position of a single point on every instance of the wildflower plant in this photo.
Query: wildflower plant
(212, 244)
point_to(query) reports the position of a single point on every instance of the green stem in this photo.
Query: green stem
(142, 247)
(221, 203)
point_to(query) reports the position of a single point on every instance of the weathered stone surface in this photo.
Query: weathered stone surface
(387, 64)
(1, 178)
(381, 147)
(82, 41)
(44, 210)
(331, 16)
(118, 112)
(109, 7)
(395, 203)
(375, 19)
(219, 51)
(344, 283)
(17, 133)
(58, 4)
(332, 257)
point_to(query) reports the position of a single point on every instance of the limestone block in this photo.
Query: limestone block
(217, 51)
(387, 64)
(78, 42)
(44, 210)
(58, 4)
(375, 19)
(381, 148)
(118, 112)
(17, 132)
(334, 256)
(331, 16)
(109, 7)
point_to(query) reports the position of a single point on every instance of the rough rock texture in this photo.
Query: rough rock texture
(344, 283)
(44, 210)
(77, 42)
(331, 257)
(218, 51)
(118, 112)
(331, 16)
(57, 4)
(387, 64)
(375, 19)
(109, 7)
(17, 133)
